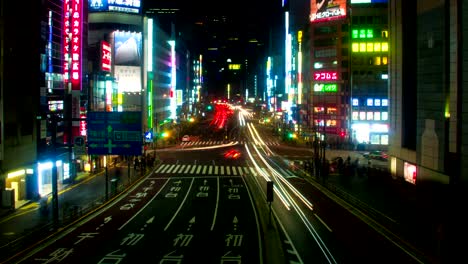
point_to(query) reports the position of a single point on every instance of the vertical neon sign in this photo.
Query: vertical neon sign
(173, 102)
(150, 73)
(72, 56)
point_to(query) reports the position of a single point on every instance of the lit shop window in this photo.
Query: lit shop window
(370, 102)
(384, 34)
(384, 116)
(331, 123)
(377, 102)
(375, 139)
(376, 116)
(355, 115)
(370, 115)
(319, 109)
(384, 102)
(384, 60)
(376, 46)
(355, 102)
(362, 115)
(369, 46)
(362, 47)
(377, 61)
(384, 139)
(319, 123)
(332, 111)
(384, 46)
(362, 33)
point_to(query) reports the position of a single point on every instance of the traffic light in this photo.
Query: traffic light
(209, 107)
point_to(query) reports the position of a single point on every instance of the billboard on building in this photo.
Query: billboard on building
(127, 48)
(128, 78)
(124, 6)
(326, 10)
(106, 56)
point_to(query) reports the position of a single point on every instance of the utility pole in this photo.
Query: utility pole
(55, 207)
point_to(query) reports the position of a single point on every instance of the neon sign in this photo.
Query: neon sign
(325, 87)
(72, 52)
(326, 10)
(325, 76)
(106, 57)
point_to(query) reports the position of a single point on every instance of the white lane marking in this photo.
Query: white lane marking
(180, 206)
(217, 202)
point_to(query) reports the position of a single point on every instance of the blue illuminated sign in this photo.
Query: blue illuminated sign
(125, 6)
(114, 133)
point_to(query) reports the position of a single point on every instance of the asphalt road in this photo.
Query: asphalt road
(194, 218)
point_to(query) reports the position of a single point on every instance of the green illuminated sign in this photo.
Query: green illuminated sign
(362, 34)
(325, 87)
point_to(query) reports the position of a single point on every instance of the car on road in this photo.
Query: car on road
(232, 154)
(186, 138)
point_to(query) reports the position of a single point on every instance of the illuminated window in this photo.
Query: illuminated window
(319, 109)
(332, 111)
(377, 61)
(354, 34)
(377, 102)
(362, 47)
(355, 115)
(331, 123)
(362, 115)
(384, 116)
(376, 47)
(319, 122)
(355, 47)
(384, 34)
(370, 33)
(370, 47)
(370, 115)
(385, 46)
(375, 139)
(362, 33)
(370, 102)
(384, 139)
(355, 102)
(377, 116)
(384, 60)
(384, 102)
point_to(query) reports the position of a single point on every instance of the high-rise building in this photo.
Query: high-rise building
(368, 51)
(428, 80)
(41, 86)
(426, 91)
(329, 70)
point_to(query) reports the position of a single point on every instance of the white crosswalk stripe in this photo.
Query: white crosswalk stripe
(202, 143)
(222, 170)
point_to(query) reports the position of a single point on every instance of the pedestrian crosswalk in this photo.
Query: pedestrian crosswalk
(205, 169)
(202, 143)
(217, 170)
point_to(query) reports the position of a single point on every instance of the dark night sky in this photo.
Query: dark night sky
(249, 19)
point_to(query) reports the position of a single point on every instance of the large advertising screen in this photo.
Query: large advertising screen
(127, 48)
(125, 6)
(128, 78)
(326, 10)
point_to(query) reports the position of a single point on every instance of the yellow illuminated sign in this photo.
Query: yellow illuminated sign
(234, 66)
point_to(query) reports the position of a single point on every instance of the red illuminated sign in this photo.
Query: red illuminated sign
(72, 52)
(325, 10)
(106, 58)
(325, 76)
